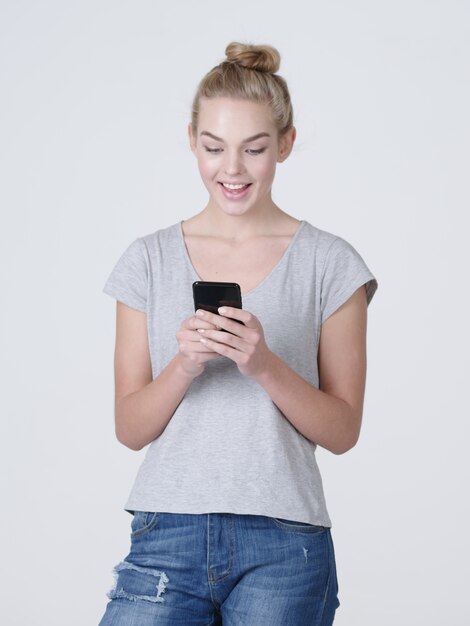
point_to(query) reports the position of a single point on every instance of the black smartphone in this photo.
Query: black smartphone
(209, 296)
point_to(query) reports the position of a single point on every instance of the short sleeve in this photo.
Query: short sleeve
(128, 280)
(344, 272)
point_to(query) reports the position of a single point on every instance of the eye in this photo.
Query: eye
(250, 151)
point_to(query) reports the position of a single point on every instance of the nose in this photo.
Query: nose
(233, 164)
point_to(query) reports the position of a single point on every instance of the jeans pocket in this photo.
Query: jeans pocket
(143, 522)
(296, 527)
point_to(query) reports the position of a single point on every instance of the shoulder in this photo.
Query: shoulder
(153, 246)
(162, 236)
(328, 245)
(322, 238)
(146, 249)
(318, 244)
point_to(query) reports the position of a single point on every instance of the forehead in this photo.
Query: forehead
(236, 116)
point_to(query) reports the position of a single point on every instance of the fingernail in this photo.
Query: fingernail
(200, 312)
(222, 310)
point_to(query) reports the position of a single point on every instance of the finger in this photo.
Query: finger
(224, 350)
(194, 322)
(243, 316)
(205, 354)
(189, 347)
(219, 336)
(190, 340)
(223, 322)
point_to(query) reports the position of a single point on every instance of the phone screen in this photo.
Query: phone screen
(212, 295)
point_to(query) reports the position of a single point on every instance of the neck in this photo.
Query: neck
(268, 220)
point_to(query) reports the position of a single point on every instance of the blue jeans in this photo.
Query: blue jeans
(224, 569)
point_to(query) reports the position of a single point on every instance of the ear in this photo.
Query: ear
(286, 144)
(192, 138)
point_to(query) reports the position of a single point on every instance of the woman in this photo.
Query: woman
(229, 518)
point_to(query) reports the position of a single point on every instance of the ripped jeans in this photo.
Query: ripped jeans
(224, 569)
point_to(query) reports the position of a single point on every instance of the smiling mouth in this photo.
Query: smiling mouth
(235, 186)
(234, 191)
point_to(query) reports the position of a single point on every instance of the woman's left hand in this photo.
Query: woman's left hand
(243, 343)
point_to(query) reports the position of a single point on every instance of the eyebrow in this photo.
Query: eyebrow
(257, 136)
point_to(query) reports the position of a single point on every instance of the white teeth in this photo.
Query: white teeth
(228, 186)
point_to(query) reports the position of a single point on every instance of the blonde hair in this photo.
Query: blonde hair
(248, 73)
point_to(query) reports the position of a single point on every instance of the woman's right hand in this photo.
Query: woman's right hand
(193, 353)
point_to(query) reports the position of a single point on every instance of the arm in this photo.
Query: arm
(143, 407)
(331, 415)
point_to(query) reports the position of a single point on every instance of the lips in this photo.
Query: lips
(235, 191)
(234, 186)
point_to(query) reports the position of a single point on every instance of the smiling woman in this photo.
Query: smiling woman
(237, 163)
(230, 519)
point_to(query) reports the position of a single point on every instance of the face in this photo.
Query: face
(237, 149)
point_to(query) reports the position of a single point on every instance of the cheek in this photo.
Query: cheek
(206, 168)
(265, 170)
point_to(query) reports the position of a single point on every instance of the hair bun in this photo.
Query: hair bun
(261, 58)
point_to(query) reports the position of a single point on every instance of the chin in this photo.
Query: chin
(237, 211)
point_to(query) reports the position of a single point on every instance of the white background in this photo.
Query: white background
(94, 107)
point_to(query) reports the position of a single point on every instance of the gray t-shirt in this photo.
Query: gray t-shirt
(228, 448)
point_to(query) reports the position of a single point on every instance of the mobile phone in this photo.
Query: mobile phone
(212, 295)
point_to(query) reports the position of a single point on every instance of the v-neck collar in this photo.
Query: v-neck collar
(280, 262)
